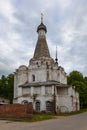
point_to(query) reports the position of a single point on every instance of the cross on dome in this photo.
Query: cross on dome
(41, 17)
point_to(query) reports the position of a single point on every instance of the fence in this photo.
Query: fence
(16, 110)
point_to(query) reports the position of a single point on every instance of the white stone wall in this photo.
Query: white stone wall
(15, 86)
(78, 101)
(66, 98)
(75, 98)
(64, 103)
(62, 91)
(62, 76)
(20, 77)
(40, 74)
(48, 90)
(37, 90)
(26, 91)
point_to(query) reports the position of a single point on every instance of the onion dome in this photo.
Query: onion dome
(42, 26)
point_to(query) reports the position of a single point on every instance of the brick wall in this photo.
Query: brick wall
(16, 110)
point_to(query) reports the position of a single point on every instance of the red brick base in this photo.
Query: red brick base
(16, 110)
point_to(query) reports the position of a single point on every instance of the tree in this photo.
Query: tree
(10, 86)
(76, 79)
(75, 76)
(85, 80)
(82, 89)
(6, 86)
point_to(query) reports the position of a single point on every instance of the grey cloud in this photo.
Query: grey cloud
(66, 28)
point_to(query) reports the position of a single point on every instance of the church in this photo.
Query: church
(43, 82)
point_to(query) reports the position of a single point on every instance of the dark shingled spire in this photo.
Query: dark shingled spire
(41, 49)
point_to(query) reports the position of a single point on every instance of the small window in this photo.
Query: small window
(33, 77)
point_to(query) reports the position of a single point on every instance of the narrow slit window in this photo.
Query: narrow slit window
(33, 77)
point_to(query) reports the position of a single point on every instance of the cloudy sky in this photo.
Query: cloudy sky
(66, 22)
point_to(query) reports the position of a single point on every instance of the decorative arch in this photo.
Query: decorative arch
(25, 102)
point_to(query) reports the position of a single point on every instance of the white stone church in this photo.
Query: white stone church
(43, 82)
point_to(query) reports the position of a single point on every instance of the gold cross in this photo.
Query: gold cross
(41, 17)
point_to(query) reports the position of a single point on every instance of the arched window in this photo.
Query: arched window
(49, 106)
(37, 106)
(33, 77)
(25, 102)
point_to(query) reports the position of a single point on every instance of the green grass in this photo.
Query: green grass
(83, 110)
(36, 117)
(41, 117)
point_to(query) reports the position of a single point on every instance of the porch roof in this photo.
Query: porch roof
(33, 84)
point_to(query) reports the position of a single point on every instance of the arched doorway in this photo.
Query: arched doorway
(49, 106)
(37, 106)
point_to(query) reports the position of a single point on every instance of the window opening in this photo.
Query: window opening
(33, 77)
(37, 106)
(49, 106)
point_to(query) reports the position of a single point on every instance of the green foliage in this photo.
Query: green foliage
(75, 76)
(82, 89)
(85, 80)
(76, 79)
(6, 86)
